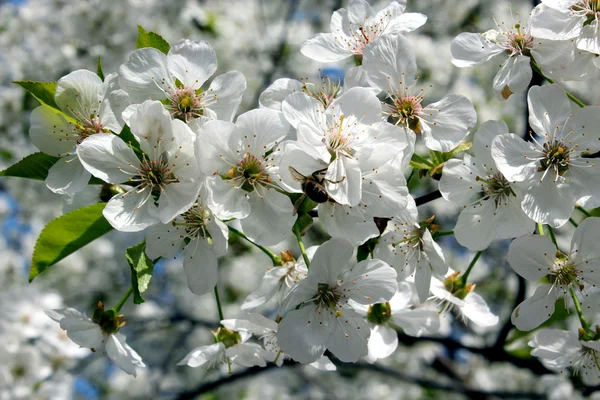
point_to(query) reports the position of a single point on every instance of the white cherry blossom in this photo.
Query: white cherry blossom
(86, 333)
(390, 65)
(408, 246)
(491, 206)
(164, 183)
(534, 257)
(551, 167)
(354, 28)
(203, 238)
(559, 350)
(324, 318)
(569, 19)
(89, 106)
(177, 79)
(242, 159)
(520, 46)
(382, 318)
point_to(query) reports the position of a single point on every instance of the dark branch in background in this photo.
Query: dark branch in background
(428, 197)
(278, 53)
(508, 324)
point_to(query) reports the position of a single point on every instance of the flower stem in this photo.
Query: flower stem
(219, 308)
(442, 233)
(572, 221)
(538, 70)
(276, 260)
(117, 308)
(540, 229)
(301, 246)
(584, 211)
(552, 235)
(470, 267)
(277, 357)
(582, 320)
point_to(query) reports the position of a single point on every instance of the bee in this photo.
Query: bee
(312, 186)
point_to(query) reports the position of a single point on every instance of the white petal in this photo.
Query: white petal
(548, 202)
(164, 240)
(384, 192)
(247, 355)
(531, 256)
(176, 198)
(589, 40)
(122, 355)
(510, 220)
(275, 94)
(192, 62)
(347, 222)
(324, 48)
(79, 94)
(434, 254)
(203, 355)
(423, 279)
(145, 76)
(548, 23)
(348, 341)
(514, 76)
(130, 212)
(299, 107)
(323, 364)
(225, 94)
(114, 103)
(67, 176)
(331, 260)
(200, 265)
(344, 181)
(271, 218)
(458, 183)
(474, 228)
(535, 310)
(418, 321)
(260, 130)
(482, 142)
(447, 122)
(406, 23)
(402, 298)
(477, 310)
(390, 63)
(269, 286)
(369, 282)
(549, 108)
(82, 331)
(514, 156)
(382, 342)
(225, 200)
(301, 336)
(51, 132)
(107, 157)
(357, 77)
(359, 102)
(470, 49)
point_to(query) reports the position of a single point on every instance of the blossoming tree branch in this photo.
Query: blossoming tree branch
(160, 146)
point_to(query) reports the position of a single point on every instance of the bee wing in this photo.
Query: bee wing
(298, 203)
(296, 175)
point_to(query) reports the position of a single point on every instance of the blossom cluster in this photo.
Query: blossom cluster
(160, 145)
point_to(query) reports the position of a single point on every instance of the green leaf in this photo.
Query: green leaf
(151, 39)
(43, 91)
(34, 166)
(128, 138)
(99, 70)
(303, 223)
(67, 234)
(141, 270)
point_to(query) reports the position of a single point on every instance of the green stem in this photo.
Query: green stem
(276, 260)
(277, 357)
(584, 211)
(552, 235)
(572, 221)
(470, 267)
(117, 308)
(219, 308)
(537, 69)
(301, 246)
(442, 233)
(582, 320)
(540, 229)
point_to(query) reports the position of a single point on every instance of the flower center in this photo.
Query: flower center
(364, 34)
(249, 171)
(565, 274)
(156, 174)
(326, 93)
(88, 127)
(185, 104)
(228, 337)
(328, 296)
(194, 220)
(379, 313)
(518, 42)
(589, 9)
(498, 187)
(339, 137)
(556, 158)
